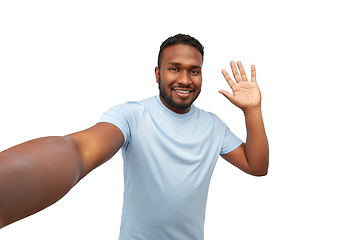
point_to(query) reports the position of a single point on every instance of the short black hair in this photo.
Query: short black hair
(181, 39)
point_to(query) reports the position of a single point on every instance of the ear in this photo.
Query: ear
(157, 74)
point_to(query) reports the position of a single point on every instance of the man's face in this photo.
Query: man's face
(179, 77)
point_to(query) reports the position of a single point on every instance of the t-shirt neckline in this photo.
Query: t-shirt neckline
(172, 113)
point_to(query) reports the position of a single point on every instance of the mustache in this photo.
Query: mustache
(183, 87)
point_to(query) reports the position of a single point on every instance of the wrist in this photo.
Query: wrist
(252, 110)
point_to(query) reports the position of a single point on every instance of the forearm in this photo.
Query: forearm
(35, 174)
(256, 147)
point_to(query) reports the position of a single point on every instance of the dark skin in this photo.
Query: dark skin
(181, 78)
(253, 156)
(37, 173)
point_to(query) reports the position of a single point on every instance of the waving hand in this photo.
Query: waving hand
(252, 156)
(246, 94)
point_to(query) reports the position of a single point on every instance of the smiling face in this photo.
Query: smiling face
(179, 77)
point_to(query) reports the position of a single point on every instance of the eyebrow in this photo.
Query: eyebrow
(179, 64)
(174, 63)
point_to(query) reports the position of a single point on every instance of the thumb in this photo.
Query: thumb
(227, 95)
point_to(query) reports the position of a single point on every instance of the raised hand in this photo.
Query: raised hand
(246, 94)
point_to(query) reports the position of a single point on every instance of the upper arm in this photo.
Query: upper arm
(97, 144)
(237, 158)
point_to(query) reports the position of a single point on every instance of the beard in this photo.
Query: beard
(168, 98)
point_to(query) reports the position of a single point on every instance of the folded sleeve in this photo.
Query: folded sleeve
(231, 141)
(124, 116)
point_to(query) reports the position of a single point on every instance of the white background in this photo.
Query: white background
(63, 63)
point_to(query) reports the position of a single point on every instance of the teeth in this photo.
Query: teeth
(182, 91)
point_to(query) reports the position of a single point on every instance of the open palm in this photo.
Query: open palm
(246, 94)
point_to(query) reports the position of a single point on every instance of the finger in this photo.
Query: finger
(235, 72)
(227, 95)
(242, 71)
(253, 73)
(228, 78)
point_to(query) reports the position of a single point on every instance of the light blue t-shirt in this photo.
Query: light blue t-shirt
(168, 162)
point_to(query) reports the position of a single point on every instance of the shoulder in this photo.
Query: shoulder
(126, 116)
(206, 115)
(131, 107)
(125, 112)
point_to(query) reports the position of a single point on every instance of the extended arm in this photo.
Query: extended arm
(253, 156)
(37, 173)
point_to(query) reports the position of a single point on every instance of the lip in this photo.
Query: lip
(183, 93)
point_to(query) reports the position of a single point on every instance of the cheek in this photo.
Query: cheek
(198, 83)
(168, 78)
(171, 78)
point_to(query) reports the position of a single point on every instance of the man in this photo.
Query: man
(169, 148)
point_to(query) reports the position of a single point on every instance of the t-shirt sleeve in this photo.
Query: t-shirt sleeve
(231, 141)
(124, 116)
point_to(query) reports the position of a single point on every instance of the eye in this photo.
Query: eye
(173, 69)
(195, 72)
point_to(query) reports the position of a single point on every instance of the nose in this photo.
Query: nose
(184, 78)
